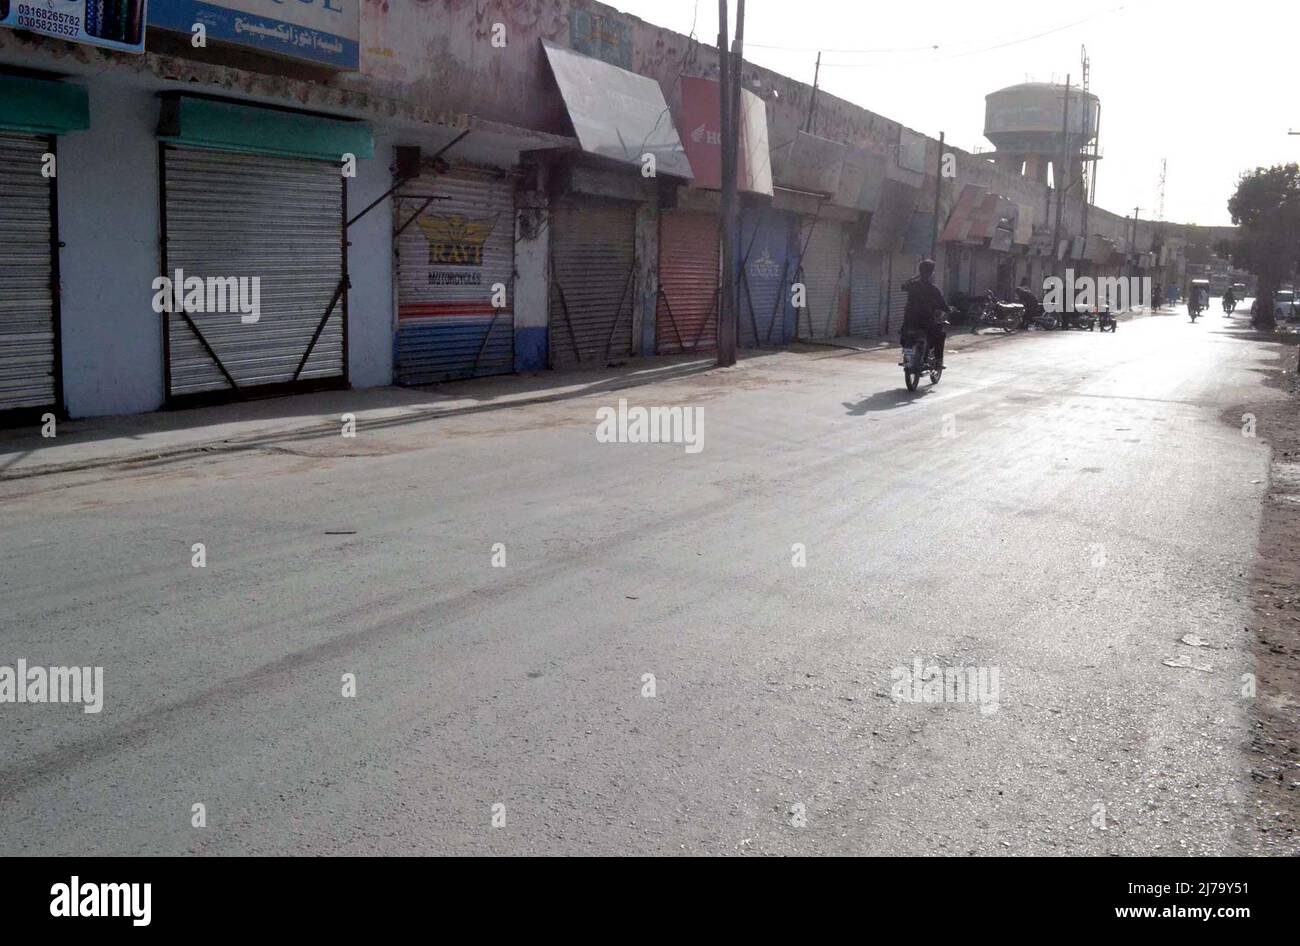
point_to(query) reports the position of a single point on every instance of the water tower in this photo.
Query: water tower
(1027, 125)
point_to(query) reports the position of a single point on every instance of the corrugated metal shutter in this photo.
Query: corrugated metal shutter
(278, 219)
(865, 292)
(593, 255)
(764, 254)
(902, 268)
(27, 355)
(448, 261)
(686, 318)
(820, 270)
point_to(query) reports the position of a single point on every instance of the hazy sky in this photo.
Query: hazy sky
(1213, 87)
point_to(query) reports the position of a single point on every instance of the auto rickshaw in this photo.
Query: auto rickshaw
(1198, 297)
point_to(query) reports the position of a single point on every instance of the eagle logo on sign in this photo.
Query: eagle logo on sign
(456, 240)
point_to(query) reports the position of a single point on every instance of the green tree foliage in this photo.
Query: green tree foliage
(1266, 207)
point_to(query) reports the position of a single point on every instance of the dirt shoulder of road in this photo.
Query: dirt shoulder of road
(1273, 826)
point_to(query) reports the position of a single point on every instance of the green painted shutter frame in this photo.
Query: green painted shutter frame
(42, 106)
(244, 129)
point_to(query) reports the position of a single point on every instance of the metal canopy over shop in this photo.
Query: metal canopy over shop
(821, 266)
(763, 253)
(593, 260)
(42, 107)
(617, 114)
(686, 318)
(228, 126)
(455, 248)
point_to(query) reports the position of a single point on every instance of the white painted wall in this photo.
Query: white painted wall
(371, 303)
(108, 219)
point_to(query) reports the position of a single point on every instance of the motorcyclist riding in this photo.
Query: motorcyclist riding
(925, 309)
(1229, 300)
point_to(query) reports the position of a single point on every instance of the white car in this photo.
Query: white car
(1285, 306)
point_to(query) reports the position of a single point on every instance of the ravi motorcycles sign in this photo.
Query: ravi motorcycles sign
(320, 31)
(114, 24)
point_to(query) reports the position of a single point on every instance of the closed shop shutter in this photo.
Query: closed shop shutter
(593, 256)
(764, 254)
(902, 268)
(279, 220)
(28, 356)
(687, 315)
(864, 294)
(449, 259)
(821, 267)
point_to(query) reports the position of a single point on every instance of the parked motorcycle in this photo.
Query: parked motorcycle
(1106, 321)
(993, 313)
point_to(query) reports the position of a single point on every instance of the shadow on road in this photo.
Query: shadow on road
(885, 401)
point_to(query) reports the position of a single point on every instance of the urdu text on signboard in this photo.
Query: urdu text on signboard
(327, 32)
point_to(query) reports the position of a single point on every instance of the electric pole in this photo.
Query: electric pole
(812, 102)
(1060, 184)
(938, 192)
(729, 95)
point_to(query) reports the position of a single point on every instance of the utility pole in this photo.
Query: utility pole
(938, 191)
(1060, 184)
(729, 70)
(1132, 244)
(812, 102)
(1084, 171)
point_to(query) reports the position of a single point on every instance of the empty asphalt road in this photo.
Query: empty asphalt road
(1060, 510)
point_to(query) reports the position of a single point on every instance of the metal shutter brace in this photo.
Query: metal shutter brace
(278, 219)
(593, 255)
(821, 266)
(687, 315)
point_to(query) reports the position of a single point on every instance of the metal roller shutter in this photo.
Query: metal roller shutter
(864, 294)
(764, 255)
(277, 219)
(593, 257)
(687, 315)
(28, 359)
(449, 258)
(820, 269)
(902, 268)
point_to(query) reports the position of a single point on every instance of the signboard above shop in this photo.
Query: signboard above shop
(113, 24)
(326, 32)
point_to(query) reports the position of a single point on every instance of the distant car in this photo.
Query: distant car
(1285, 306)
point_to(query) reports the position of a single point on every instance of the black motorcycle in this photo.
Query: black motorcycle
(919, 359)
(993, 313)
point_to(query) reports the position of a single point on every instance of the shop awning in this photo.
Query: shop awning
(246, 129)
(809, 163)
(962, 217)
(42, 107)
(889, 221)
(916, 239)
(1099, 249)
(617, 114)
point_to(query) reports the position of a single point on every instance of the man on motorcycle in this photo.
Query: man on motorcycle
(1229, 300)
(925, 309)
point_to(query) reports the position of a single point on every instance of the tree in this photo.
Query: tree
(1266, 207)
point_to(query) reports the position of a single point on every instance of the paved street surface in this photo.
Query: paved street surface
(1062, 507)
